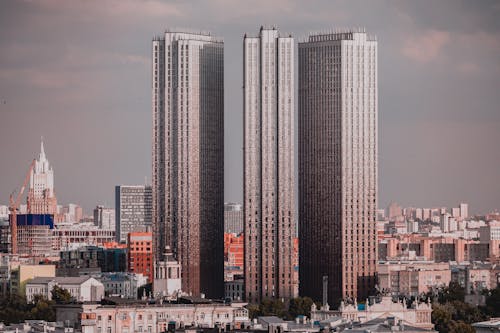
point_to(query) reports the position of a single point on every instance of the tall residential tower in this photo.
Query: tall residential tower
(269, 215)
(188, 157)
(338, 165)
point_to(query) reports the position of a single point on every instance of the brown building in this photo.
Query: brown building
(188, 157)
(338, 165)
(140, 253)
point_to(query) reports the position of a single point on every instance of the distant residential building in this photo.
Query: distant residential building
(394, 210)
(412, 278)
(233, 218)
(134, 208)
(140, 254)
(86, 233)
(122, 284)
(464, 210)
(104, 218)
(41, 195)
(34, 234)
(233, 251)
(167, 276)
(24, 273)
(235, 289)
(455, 212)
(91, 260)
(4, 235)
(82, 289)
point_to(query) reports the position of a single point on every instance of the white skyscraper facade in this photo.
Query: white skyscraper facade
(188, 157)
(338, 164)
(269, 210)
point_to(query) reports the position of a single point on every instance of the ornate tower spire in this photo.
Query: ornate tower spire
(42, 150)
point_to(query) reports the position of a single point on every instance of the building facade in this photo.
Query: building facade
(133, 207)
(338, 164)
(104, 218)
(269, 180)
(188, 156)
(140, 254)
(233, 218)
(82, 289)
(41, 195)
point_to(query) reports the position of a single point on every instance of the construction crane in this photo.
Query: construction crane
(14, 207)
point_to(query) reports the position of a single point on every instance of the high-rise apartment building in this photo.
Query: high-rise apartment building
(133, 207)
(41, 196)
(233, 218)
(188, 157)
(338, 165)
(269, 210)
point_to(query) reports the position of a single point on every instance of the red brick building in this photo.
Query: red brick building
(140, 253)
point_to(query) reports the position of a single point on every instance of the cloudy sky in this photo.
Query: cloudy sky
(78, 74)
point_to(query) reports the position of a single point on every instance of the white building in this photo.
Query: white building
(464, 210)
(41, 195)
(104, 218)
(419, 315)
(167, 276)
(155, 318)
(122, 284)
(269, 180)
(82, 289)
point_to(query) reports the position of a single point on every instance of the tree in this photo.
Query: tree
(253, 310)
(300, 306)
(61, 295)
(492, 307)
(272, 307)
(43, 309)
(454, 292)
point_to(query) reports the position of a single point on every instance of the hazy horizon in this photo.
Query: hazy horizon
(78, 74)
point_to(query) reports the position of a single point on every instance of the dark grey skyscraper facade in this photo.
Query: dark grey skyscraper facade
(188, 157)
(338, 165)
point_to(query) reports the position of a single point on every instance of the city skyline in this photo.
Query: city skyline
(438, 146)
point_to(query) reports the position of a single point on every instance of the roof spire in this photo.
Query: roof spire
(42, 150)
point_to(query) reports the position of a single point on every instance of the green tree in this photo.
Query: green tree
(492, 307)
(300, 306)
(454, 292)
(272, 307)
(43, 309)
(253, 311)
(61, 295)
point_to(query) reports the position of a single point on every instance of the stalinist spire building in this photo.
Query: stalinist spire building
(41, 195)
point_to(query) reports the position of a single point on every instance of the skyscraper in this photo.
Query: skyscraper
(41, 196)
(188, 157)
(269, 214)
(338, 164)
(133, 209)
